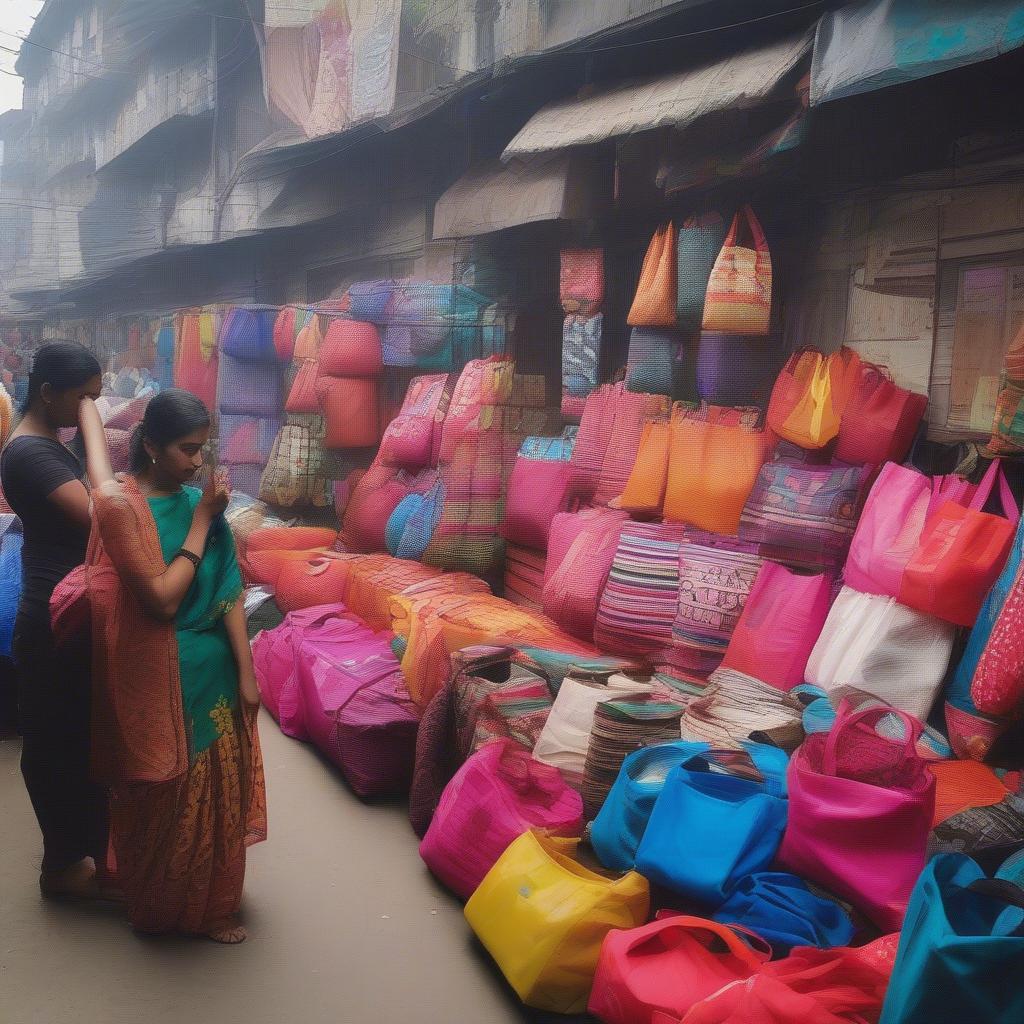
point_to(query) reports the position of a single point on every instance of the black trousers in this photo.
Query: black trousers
(53, 709)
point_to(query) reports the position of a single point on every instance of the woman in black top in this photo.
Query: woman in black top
(42, 482)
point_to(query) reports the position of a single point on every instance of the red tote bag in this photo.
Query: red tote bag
(880, 420)
(668, 966)
(961, 554)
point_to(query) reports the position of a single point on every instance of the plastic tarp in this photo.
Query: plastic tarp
(493, 196)
(742, 80)
(877, 43)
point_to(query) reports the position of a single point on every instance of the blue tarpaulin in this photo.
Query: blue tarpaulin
(873, 44)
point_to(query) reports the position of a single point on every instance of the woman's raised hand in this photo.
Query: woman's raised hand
(216, 495)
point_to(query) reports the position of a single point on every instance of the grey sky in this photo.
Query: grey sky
(16, 18)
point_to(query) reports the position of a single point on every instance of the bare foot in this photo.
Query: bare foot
(77, 882)
(229, 933)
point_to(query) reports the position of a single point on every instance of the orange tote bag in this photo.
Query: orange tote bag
(713, 464)
(739, 295)
(811, 394)
(654, 304)
(644, 493)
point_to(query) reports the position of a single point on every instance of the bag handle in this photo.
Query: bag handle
(754, 953)
(746, 213)
(847, 719)
(1005, 891)
(995, 471)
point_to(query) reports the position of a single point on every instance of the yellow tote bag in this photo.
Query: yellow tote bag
(810, 395)
(543, 917)
(644, 493)
(739, 295)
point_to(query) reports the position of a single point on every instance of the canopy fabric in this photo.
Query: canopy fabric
(494, 196)
(677, 100)
(873, 44)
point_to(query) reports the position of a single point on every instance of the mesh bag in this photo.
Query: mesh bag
(195, 364)
(297, 471)
(248, 333)
(640, 601)
(249, 388)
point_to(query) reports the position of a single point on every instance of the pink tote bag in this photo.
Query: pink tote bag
(889, 530)
(497, 795)
(779, 626)
(860, 811)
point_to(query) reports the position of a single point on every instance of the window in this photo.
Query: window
(981, 308)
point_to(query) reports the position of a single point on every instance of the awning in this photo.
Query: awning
(877, 43)
(494, 196)
(674, 101)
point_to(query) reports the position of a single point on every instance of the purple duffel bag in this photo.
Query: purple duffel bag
(734, 369)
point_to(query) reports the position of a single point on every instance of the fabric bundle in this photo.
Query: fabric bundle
(524, 576)
(640, 600)
(737, 707)
(581, 362)
(581, 281)
(622, 725)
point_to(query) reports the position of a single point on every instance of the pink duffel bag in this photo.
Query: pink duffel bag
(860, 810)
(356, 709)
(497, 795)
(581, 549)
(273, 655)
(538, 490)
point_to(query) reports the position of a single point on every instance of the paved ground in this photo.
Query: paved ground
(346, 926)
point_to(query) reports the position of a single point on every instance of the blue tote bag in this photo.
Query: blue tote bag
(971, 732)
(619, 826)
(782, 909)
(961, 949)
(709, 829)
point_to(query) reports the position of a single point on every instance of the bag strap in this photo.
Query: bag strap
(847, 719)
(756, 231)
(754, 953)
(988, 481)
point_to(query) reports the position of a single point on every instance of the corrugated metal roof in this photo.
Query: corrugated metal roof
(676, 100)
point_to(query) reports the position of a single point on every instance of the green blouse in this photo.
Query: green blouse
(209, 675)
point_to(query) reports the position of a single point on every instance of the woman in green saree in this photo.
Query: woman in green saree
(174, 722)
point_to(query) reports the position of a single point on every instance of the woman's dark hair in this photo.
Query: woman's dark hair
(63, 365)
(171, 414)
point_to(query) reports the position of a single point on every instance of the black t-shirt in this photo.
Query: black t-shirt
(31, 469)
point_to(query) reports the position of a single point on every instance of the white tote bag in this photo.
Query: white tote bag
(565, 737)
(878, 645)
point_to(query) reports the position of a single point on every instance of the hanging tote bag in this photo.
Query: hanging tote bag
(961, 554)
(644, 493)
(351, 348)
(581, 281)
(877, 645)
(810, 395)
(734, 369)
(961, 949)
(700, 241)
(654, 304)
(303, 396)
(713, 464)
(972, 733)
(880, 420)
(805, 514)
(707, 830)
(616, 832)
(779, 626)
(860, 810)
(650, 364)
(667, 966)
(739, 294)
(889, 530)
(542, 916)
(496, 796)
(785, 913)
